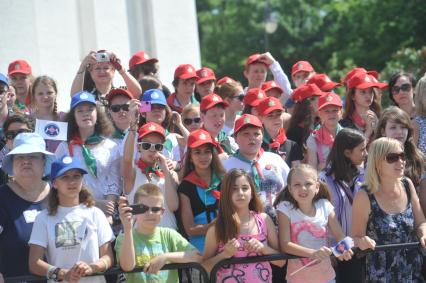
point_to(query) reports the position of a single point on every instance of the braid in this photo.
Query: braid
(55, 109)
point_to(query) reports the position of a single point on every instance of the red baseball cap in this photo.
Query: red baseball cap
(199, 137)
(266, 86)
(301, 66)
(323, 82)
(254, 96)
(225, 80)
(19, 67)
(306, 91)
(363, 81)
(150, 128)
(118, 91)
(375, 79)
(329, 98)
(268, 105)
(374, 74)
(185, 71)
(205, 74)
(254, 58)
(247, 120)
(140, 58)
(352, 73)
(211, 100)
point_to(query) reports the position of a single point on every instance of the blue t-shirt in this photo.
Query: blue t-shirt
(16, 222)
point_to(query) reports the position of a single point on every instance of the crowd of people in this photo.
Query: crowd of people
(212, 170)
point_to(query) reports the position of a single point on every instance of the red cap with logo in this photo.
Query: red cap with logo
(268, 105)
(301, 66)
(140, 58)
(185, 71)
(254, 58)
(363, 80)
(211, 100)
(323, 82)
(269, 85)
(118, 91)
(205, 74)
(329, 98)
(150, 128)
(199, 137)
(247, 120)
(352, 73)
(254, 96)
(225, 80)
(19, 67)
(306, 91)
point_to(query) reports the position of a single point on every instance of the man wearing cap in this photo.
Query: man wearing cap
(20, 74)
(205, 83)
(268, 170)
(256, 69)
(184, 83)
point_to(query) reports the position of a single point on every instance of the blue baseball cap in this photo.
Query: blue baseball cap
(4, 79)
(155, 96)
(80, 97)
(64, 164)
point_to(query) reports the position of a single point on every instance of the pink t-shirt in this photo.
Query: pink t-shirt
(310, 232)
(250, 272)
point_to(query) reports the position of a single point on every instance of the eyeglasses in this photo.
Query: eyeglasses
(240, 97)
(404, 87)
(10, 135)
(189, 121)
(117, 107)
(141, 209)
(149, 146)
(394, 157)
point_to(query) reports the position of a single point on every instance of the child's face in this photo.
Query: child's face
(44, 95)
(330, 115)
(202, 156)
(273, 121)
(69, 184)
(186, 87)
(300, 78)
(192, 121)
(256, 74)
(396, 131)
(205, 88)
(241, 193)
(274, 93)
(150, 155)
(85, 115)
(358, 154)
(157, 114)
(304, 186)
(363, 97)
(214, 119)
(249, 140)
(21, 83)
(149, 220)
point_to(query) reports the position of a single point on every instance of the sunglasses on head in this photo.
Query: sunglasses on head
(394, 157)
(240, 97)
(10, 135)
(189, 121)
(117, 107)
(149, 146)
(403, 87)
(141, 209)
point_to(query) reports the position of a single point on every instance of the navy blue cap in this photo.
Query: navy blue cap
(80, 97)
(65, 163)
(4, 79)
(155, 96)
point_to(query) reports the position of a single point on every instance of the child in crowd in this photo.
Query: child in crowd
(323, 82)
(321, 140)
(205, 83)
(241, 230)
(184, 83)
(141, 64)
(274, 137)
(191, 117)
(304, 208)
(198, 192)
(147, 245)
(233, 94)
(73, 234)
(118, 110)
(268, 170)
(252, 99)
(21, 78)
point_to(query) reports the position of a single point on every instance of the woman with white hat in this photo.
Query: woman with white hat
(22, 199)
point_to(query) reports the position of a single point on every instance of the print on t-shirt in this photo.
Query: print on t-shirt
(146, 253)
(66, 234)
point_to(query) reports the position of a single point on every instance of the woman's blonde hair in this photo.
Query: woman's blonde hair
(420, 97)
(376, 155)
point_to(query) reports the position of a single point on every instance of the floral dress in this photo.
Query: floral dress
(393, 265)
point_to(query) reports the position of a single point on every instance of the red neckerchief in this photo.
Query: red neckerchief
(279, 140)
(216, 144)
(323, 136)
(171, 103)
(193, 178)
(148, 170)
(357, 119)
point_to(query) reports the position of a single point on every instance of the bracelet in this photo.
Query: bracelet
(50, 271)
(104, 263)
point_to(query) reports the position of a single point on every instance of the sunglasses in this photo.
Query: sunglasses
(141, 209)
(149, 146)
(404, 87)
(117, 107)
(240, 97)
(394, 157)
(189, 121)
(10, 135)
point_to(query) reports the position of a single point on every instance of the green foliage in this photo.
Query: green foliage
(334, 35)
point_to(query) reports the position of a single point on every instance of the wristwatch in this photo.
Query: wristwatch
(53, 274)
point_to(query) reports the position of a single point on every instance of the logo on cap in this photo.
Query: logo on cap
(203, 73)
(367, 79)
(155, 95)
(260, 95)
(215, 98)
(228, 81)
(189, 70)
(84, 96)
(327, 79)
(67, 160)
(202, 136)
(247, 120)
(152, 128)
(329, 98)
(299, 66)
(51, 130)
(271, 103)
(273, 84)
(17, 66)
(145, 56)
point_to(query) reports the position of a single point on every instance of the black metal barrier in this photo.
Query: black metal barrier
(213, 273)
(117, 270)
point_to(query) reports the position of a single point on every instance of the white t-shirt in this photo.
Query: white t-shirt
(108, 180)
(73, 234)
(275, 172)
(168, 219)
(310, 232)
